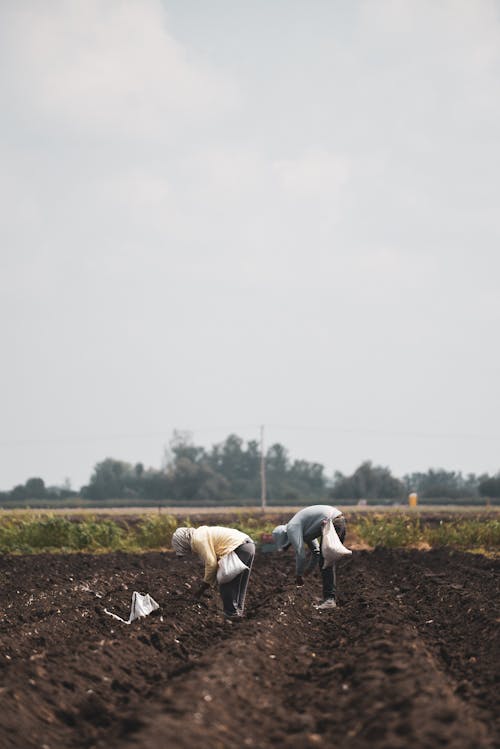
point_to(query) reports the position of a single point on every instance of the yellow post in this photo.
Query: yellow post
(413, 499)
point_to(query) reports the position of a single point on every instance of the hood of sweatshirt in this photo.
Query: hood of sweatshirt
(280, 536)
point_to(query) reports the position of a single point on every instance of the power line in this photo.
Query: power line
(166, 434)
(86, 438)
(386, 433)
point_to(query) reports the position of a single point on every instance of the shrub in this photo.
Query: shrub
(51, 532)
(155, 532)
(253, 526)
(389, 531)
(100, 534)
(466, 534)
(33, 534)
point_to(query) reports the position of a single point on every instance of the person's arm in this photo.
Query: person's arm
(203, 546)
(314, 558)
(211, 567)
(294, 531)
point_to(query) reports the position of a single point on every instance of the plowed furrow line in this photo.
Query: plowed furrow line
(360, 676)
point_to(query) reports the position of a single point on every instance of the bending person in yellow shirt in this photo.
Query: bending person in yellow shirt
(211, 543)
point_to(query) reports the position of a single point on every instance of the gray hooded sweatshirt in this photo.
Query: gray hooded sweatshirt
(304, 528)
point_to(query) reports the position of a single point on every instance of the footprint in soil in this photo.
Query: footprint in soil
(94, 709)
(156, 641)
(120, 686)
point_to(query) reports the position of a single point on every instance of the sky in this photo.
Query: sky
(227, 214)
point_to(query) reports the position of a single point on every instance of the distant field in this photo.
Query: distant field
(250, 510)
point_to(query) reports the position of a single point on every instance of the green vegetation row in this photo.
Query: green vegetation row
(401, 531)
(31, 533)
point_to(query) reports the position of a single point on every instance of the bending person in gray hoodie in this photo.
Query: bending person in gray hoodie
(304, 529)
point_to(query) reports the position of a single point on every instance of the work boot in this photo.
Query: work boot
(234, 618)
(329, 603)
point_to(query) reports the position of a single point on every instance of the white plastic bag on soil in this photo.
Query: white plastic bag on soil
(332, 547)
(230, 565)
(141, 606)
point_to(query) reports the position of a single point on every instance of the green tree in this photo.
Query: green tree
(193, 481)
(181, 446)
(490, 486)
(437, 483)
(308, 477)
(111, 479)
(19, 492)
(239, 465)
(368, 482)
(35, 488)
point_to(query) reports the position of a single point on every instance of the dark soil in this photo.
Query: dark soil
(409, 659)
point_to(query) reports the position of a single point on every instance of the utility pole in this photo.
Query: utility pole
(263, 497)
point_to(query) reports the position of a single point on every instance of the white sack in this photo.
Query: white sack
(230, 566)
(332, 547)
(141, 606)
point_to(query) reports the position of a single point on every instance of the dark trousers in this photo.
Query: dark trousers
(233, 594)
(329, 576)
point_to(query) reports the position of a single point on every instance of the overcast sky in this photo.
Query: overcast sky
(219, 215)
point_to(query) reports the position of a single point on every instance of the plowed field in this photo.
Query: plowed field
(409, 659)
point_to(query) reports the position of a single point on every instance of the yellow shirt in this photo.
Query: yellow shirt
(212, 542)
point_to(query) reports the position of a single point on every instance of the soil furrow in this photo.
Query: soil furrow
(312, 677)
(87, 675)
(410, 657)
(457, 618)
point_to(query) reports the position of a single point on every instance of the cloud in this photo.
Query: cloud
(317, 174)
(188, 194)
(110, 67)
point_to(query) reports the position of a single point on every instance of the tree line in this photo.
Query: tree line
(230, 472)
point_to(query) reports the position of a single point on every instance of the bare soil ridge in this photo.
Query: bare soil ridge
(410, 657)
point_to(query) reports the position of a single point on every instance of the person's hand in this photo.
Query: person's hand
(299, 581)
(201, 590)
